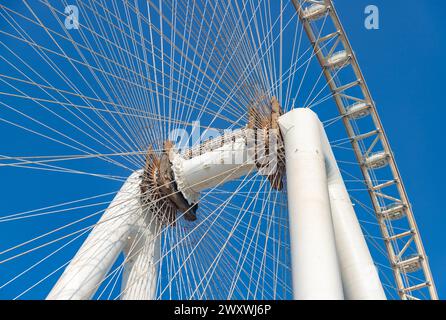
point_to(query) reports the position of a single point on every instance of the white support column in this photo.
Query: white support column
(315, 267)
(84, 274)
(359, 275)
(330, 258)
(142, 255)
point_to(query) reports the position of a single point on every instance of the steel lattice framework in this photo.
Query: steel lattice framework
(371, 146)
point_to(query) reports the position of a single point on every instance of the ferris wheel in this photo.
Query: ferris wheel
(196, 149)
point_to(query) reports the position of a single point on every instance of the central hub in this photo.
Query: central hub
(172, 182)
(159, 191)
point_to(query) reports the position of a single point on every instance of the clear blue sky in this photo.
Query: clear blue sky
(403, 63)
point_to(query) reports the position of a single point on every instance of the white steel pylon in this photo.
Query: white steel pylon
(135, 84)
(371, 146)
(330, 259)
(124, 226)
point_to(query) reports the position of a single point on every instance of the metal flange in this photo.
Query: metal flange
(264, 126)
(159, 190)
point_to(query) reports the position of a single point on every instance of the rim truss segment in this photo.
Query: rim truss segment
(353, 107)
(163, 180)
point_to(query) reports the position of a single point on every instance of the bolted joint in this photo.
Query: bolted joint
(159, 190)
(265, 131)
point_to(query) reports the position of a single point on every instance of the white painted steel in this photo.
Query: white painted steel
(359, 274)
(330, 233)
(142, 256)
(212, 168)
(330, 257)
(315, 268)
(84, 274)
(407, 287)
